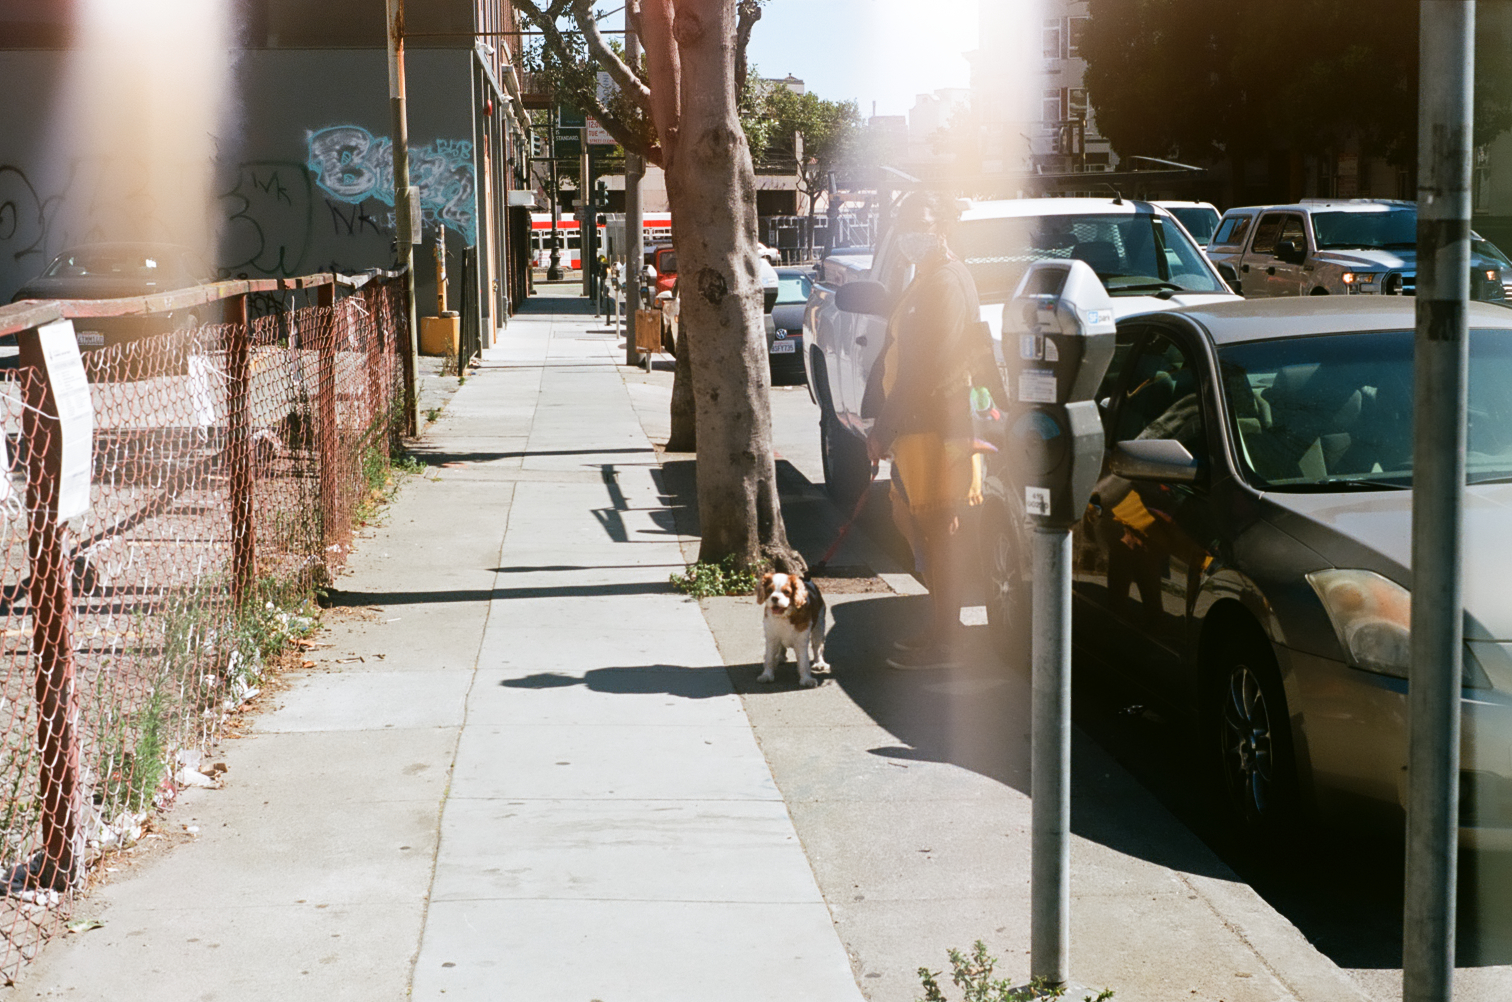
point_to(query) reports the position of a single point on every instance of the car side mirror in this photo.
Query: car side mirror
(1289, 252)
(1161, 459)
(864, 297)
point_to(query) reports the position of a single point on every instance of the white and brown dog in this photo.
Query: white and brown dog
(792, 616)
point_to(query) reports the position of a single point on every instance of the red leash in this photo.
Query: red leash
(846, 528)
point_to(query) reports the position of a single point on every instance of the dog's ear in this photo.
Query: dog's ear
(800, 591)
(764, 588)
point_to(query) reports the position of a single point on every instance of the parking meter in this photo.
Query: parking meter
(1057, 342)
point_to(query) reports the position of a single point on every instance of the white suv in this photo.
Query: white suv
(1340, 247)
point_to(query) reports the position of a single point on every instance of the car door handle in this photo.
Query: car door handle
(1270, 271)
(861, 340)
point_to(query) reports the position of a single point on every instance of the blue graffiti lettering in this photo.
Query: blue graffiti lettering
(351, 165)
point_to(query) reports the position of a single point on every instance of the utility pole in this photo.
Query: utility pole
(635, 169)
(405, 246)
(1441, 365)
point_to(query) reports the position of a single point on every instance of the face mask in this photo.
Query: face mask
(915, 246)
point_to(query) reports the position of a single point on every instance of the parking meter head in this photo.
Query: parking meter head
(1058, 335)
(1061, 319)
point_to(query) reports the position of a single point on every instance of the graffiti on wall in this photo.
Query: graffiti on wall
(352, 165)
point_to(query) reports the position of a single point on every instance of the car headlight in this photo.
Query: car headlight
(1359, 281)
(1372, 617)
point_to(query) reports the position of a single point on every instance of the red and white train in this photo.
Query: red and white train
(658, 229)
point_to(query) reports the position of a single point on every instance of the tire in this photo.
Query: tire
(1319, 291)
(1251, 731)
(1007, 591)
(847, 472)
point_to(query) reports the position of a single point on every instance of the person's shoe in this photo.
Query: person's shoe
(918, 642)
(931, 657)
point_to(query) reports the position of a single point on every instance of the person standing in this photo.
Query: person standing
(920, 397)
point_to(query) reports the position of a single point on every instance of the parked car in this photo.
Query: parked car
(1144, 257)
(120, 270)
(1257, 587)
(1341, 247)
(1200, 218)
(785, 335)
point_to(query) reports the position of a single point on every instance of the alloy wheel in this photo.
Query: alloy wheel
(1248, 746)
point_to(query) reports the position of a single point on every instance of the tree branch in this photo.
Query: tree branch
(663, 66)
(629, 83)
(749, 12)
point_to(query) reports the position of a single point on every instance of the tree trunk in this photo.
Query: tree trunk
(684, 419)
(712, 188)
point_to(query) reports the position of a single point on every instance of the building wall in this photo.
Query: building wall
(300, 177)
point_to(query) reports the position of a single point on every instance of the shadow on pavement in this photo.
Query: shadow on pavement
(546, 304)
(336, 598)
(640, 680)
(433, 457)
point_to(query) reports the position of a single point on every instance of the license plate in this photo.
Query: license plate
(784, 347)
(90, 339)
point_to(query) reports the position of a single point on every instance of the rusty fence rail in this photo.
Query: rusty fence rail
(228, 465)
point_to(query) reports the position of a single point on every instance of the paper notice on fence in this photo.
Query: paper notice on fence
(200, 396)
(70, 388)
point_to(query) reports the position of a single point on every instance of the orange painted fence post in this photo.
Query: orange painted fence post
(331, 330)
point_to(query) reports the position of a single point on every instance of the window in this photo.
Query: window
(1076, 34)
(1160, 397)
(1051, 36)
(1267, 233)
(1050, 106)
(1076, 102)
(1231, 231)
(1292, 230)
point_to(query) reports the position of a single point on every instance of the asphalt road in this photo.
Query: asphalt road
(1343, 890)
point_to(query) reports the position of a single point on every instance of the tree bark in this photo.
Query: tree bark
(711, 185)
(684, 436)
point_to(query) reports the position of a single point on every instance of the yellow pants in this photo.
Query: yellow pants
(937, 474)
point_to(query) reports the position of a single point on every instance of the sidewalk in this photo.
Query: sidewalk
(523, 771)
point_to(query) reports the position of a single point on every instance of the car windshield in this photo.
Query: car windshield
(1199, 220)
(793, 288)
(1335, 412)
(110, 263)
(1133, 254)
(1393, 229)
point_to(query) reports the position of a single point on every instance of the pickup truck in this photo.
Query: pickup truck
(1335, 247)
(1143, 256)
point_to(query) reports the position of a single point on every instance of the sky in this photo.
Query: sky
(885, 51)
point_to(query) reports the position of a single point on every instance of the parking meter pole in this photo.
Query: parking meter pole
(1050, 769)
(1445, 95)
(1058, 334)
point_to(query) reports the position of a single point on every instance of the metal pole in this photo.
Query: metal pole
(239, 451)
(585, 215)
(554, 269)
(1447, 40)
(635, 232)
(404, 249)
(60, 795)
(1050, 762)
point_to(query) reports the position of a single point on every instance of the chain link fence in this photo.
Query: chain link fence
(230, 464)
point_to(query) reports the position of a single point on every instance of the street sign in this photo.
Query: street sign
(598, 135)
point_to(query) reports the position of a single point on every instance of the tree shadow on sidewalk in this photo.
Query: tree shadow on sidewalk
(640, 680)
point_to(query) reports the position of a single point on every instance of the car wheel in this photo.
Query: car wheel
(1253, 734)
(1007, 592)
(1319, 291)
(847, 472)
